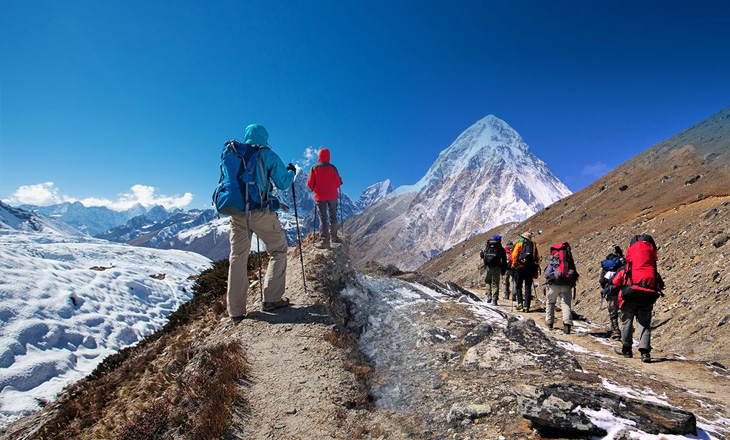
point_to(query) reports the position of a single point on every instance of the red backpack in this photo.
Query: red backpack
(508, 251)
(561, 269)
(641, 281)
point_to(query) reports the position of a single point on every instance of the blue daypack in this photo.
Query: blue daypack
(611, 264)
(244, 184)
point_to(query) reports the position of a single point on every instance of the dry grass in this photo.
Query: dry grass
(336, 341)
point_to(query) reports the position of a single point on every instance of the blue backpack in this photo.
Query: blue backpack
(244, 184)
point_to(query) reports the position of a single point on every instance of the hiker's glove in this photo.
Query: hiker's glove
(291, 167)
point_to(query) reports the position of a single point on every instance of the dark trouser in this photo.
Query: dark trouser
(642, 313)
(492, 280)
(328, 210)
(524, 275)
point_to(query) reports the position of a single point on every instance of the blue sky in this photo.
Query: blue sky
(125, 101)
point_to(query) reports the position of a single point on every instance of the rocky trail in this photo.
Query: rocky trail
(376, 356)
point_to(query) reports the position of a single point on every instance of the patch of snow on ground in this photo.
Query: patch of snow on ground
(614, 425)
(60, 318)
(579, 349)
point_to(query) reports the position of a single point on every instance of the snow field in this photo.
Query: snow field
(60, 317)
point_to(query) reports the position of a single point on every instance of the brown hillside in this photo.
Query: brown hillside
(656, 192)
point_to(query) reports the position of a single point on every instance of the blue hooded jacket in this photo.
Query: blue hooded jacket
(256, 134)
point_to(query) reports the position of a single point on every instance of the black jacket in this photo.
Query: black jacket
(607, 287)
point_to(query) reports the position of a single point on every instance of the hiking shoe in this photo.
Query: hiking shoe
(237, 319)
(269, 306)
(645, 356)
(549, 326)
(624, 352)
(494, 303)
(526, 309)
(566, 328)
(323, 245)
(616, 337)
(519, 307)
(337, 240)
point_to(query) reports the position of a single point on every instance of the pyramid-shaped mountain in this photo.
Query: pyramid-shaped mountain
(486, 177)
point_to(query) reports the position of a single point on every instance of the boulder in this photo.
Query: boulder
(461, 411)
(556, 410)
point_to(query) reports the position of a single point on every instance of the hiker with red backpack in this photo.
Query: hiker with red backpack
(560, 277)
(495, 261)
(641, 285)
(324, 180)
(509, 274)
(609, 268)
(526, 260)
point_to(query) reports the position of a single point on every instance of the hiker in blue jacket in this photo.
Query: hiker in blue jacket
(265, 224)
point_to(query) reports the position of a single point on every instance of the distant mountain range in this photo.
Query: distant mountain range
(488, 176)
(201, 231)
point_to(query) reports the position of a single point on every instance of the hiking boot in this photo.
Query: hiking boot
(624, 351)
(494, 303)
(566, 328)
(324, 245)
(519, 307)
(549, 325)
(337, 240)
(645, 356)
(237, 319)
(269, 306)
(526, 309)
(616, 337)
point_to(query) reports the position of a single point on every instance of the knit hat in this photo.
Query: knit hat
(496, 237)
(509, 244)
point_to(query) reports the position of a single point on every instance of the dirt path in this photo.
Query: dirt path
(306, 381)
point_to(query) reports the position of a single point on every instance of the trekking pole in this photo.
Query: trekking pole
(261, 281)
(299, 235)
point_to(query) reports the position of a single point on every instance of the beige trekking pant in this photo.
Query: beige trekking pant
(265, 224)
(555, 291)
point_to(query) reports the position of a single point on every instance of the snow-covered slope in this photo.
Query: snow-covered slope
(69, 301)
(488, 176)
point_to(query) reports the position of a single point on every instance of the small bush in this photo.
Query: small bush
(152, 423)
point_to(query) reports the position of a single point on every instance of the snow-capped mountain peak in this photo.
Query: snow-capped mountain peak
(488, 141)
(375, 193)
(488, 176)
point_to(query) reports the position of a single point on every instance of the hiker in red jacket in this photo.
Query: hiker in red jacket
(641, 286)
(324, 180)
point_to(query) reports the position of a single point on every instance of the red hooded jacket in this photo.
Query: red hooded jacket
(324, 179)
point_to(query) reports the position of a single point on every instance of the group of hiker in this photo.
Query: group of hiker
(629, 284)
(245, 193)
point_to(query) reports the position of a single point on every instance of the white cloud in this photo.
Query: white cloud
(42, 194)
(594, 170)
(310, 155)
(45, 194)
